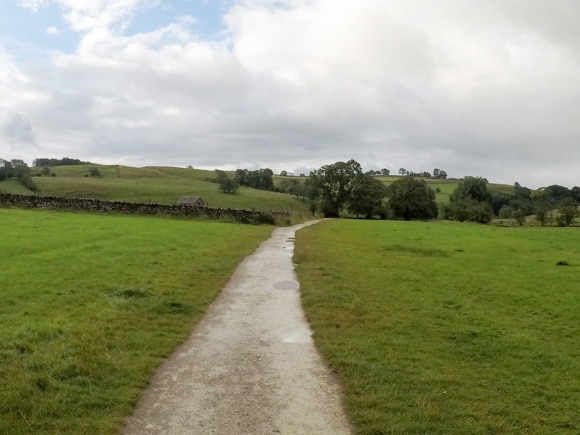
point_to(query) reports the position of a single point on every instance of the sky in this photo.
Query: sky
(486, 88)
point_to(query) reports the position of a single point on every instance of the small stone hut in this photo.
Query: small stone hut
(192, 201)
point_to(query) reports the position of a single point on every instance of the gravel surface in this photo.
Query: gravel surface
(250, 366)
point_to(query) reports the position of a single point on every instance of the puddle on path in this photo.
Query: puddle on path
(286, 285)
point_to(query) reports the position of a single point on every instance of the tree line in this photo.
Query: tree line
(343, 187)
(65, 161)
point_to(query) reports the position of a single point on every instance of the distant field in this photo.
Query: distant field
(446, 327)
(164, 185)
(92, 304)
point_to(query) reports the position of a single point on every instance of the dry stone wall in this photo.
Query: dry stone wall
(102, 206)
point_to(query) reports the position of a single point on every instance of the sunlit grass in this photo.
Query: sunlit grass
(447, 328)
(92, 304)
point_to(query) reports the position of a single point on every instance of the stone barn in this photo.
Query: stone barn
(193, 201)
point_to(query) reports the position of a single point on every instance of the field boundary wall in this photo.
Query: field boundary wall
(130, 208)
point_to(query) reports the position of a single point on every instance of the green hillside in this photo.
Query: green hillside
(163, 185)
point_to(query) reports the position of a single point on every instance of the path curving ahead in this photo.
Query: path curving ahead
(250, 366)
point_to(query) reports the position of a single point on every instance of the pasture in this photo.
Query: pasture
(445, 327)
(92, 304)
(163, 185)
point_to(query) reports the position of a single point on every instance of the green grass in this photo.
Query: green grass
(13, 186)
(92, 304)
(447, 328)
(163, 185)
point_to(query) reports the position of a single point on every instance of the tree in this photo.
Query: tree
(385, 172)
(6, 170)
(330, 187)
(412, 199)
(575, 194)
(520, 216)
(45, 170)
(94, 172)
(542, 205)
(403, 171)
(470, 201)
(226, 184)
(568, 212)
(439, 173)
(367, 197)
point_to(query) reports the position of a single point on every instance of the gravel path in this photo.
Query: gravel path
(250, 366)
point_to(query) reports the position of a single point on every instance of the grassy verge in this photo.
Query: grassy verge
(92, 304)
(447, 328)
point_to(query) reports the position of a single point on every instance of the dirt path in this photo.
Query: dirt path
(250, 366)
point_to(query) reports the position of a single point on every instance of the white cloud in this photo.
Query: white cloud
(475, 88)
(33, 5)
(52, 31)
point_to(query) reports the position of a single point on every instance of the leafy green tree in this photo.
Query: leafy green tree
(412, 199)
(568, 212)
(94, 172)
(543, 205)
(470, 201)
(367, 197)
(6, 170)
(330, 187)
(519, 215)
(226, 184)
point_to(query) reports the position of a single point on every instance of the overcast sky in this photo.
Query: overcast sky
(485, 88)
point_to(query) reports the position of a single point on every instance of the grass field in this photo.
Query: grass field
(163, 185)
(92, 304)
(447, 328)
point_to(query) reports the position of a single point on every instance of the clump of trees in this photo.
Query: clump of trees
(470, 202)
(342, 186)
(260, 179)
(292, 187)
(65, 161)
(556, 204)
(439, 174)
(19, 170)
(412, 199)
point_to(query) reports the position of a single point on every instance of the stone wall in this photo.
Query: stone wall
(101, 206)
